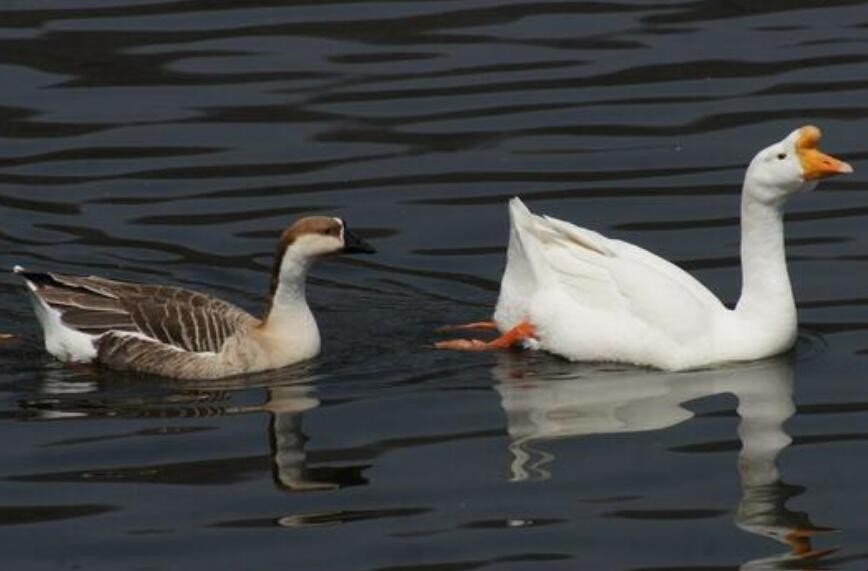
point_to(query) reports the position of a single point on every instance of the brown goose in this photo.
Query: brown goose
(176, 332)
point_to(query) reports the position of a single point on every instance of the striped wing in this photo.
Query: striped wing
(179, 317)
(134, 353)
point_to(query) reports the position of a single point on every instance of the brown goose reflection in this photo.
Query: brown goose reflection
(289, 462)
(548, 399)
(288, 396)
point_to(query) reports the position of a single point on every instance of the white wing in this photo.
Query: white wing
(601, 274)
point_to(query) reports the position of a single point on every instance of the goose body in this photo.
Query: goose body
(180, 333)
(574, 292)
(591, 298)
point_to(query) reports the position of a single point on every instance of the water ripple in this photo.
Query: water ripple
(172, 140)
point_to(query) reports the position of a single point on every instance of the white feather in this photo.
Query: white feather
(62, 341)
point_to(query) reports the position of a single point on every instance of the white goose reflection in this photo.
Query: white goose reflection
(550, 399)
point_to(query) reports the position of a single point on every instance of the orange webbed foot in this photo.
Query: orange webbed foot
(476, 325)
(522, 331)
(462, 345)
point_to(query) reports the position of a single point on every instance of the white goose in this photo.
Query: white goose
(180, 333)
(578, 294)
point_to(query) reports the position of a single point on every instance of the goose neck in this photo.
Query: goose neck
(765, 280)
(288, 295)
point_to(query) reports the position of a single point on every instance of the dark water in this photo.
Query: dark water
(170, 141)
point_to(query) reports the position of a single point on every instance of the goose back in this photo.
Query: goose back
(179, 318)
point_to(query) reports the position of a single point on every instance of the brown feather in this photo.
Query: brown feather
(183, 318)
(129, 353)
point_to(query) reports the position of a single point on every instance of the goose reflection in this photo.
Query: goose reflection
(288, 396)
(547, 399)
(286, 406)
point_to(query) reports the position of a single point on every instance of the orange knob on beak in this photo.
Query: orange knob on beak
(815, 163)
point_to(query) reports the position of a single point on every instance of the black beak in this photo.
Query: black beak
(355, 245)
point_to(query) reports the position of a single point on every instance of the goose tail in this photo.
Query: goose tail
(525, 255)
(64, 342)
(527, 269)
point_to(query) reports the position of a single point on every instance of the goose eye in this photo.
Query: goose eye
(782, 156)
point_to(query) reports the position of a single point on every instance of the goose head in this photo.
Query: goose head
(305, 241)
(794, 164)
(318, 236)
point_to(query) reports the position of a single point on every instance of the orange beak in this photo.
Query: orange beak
(815, 163)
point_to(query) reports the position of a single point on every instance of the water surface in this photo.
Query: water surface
(171, 141)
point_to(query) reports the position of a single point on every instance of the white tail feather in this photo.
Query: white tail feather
(62, 341)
